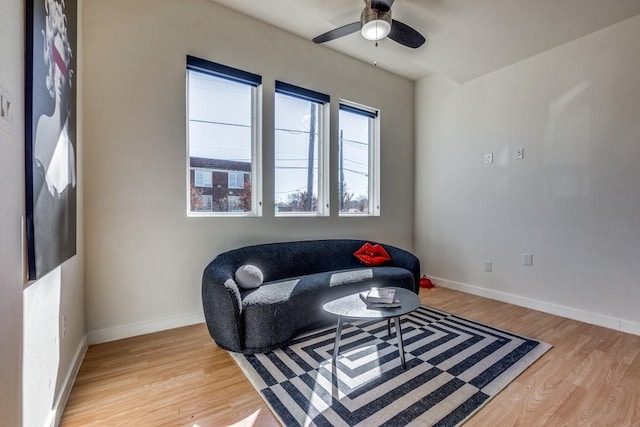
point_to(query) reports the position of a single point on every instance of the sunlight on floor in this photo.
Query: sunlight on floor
(250, 421)
(368, 354)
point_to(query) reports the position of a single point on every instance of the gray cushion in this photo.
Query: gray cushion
(249, 276)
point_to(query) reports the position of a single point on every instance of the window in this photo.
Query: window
(236, 180)
(235, 204)
(207, 203)
(358, 160)
(301, 151)
(202, 177)
(223, 134)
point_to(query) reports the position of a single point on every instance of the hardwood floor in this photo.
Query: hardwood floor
(181, 378)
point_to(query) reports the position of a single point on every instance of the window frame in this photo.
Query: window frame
(212, 69)
(323, 129)
(373, 157)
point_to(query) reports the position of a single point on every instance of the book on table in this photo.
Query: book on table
(386, 295)
(394, 304)
(379, 304)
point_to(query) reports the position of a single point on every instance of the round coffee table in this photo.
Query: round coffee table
(352, 307)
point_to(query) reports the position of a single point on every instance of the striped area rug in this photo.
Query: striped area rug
(454, 366)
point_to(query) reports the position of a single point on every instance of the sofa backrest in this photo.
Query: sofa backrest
(290, 259)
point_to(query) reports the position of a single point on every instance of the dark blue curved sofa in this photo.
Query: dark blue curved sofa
(299, 277)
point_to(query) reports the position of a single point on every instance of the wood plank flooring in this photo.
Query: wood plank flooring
(181, 378)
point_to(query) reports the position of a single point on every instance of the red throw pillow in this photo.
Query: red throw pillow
(372, 255)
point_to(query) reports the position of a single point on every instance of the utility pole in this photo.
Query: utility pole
(308, 204)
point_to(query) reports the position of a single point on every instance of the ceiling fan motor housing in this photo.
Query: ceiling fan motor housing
(375, 24)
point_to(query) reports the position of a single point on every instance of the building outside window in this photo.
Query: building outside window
(358, 160)
(301, 151)
(207, 203)
(235, 203)
(224, 110)
(221, 193)
(202, 178)
(236, 179)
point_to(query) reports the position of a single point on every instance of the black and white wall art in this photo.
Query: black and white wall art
(50, 134)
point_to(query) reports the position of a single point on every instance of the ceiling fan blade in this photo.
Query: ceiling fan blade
(338, 32)
(405, 35)
(381, 5)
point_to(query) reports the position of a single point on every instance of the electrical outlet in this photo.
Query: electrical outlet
(519, 153)
(527, 259)
(488, 266)
(488, 158)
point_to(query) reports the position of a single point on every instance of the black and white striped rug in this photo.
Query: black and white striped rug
(454, 367)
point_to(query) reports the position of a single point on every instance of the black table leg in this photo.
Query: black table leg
(400, 344)
(336, 344)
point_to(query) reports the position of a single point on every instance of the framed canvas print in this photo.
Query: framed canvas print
(50, 133)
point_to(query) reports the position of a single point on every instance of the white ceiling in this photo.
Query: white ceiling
(465, 38)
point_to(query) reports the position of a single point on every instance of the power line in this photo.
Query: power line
(353, 141)
(294, 131)
(356, 172)
(356, 162)
(291, 191)
(213, 122)
(294, 167)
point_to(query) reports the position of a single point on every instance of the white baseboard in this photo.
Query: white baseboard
(67, 384)
(546, 307)
(135, 329)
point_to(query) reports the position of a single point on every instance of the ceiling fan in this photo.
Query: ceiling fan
(375, 24)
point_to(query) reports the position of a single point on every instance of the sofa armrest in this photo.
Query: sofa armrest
(222, 306)
(407, 260)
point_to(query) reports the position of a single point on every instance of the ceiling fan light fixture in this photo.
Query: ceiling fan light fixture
(375, 25)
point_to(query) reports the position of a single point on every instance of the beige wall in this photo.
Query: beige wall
(573, 200)
(24, 376)
(11, 211)
(144, 257)
(54, 334)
